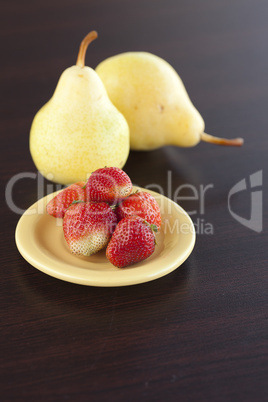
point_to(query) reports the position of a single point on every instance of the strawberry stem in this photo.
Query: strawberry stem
(77, 202)
(154, 228)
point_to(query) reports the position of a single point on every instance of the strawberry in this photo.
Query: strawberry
(59, 204)
(88, 226)
(109, 184)
(132, 241)
(142, 204)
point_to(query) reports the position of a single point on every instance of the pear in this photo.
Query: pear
(79, 129)
(151, 95)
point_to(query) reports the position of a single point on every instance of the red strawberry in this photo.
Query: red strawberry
(88, 226)
(142, 204)
(59, 204)
(132, 241)
(109, 184)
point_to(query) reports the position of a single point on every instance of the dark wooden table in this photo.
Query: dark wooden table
(199, 333)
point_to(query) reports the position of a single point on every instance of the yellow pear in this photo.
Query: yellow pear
(152, 97)
(79, 129)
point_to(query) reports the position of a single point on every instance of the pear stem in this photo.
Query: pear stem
(83, 48)
(235, 142)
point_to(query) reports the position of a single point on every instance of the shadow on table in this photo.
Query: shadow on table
(47, 296)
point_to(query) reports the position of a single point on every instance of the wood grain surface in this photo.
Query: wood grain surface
(199, 333)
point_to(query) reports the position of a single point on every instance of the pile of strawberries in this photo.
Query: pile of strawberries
(103, 213)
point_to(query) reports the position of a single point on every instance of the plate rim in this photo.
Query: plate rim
(126, 278)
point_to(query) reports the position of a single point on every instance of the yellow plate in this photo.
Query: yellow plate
(39, 238)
